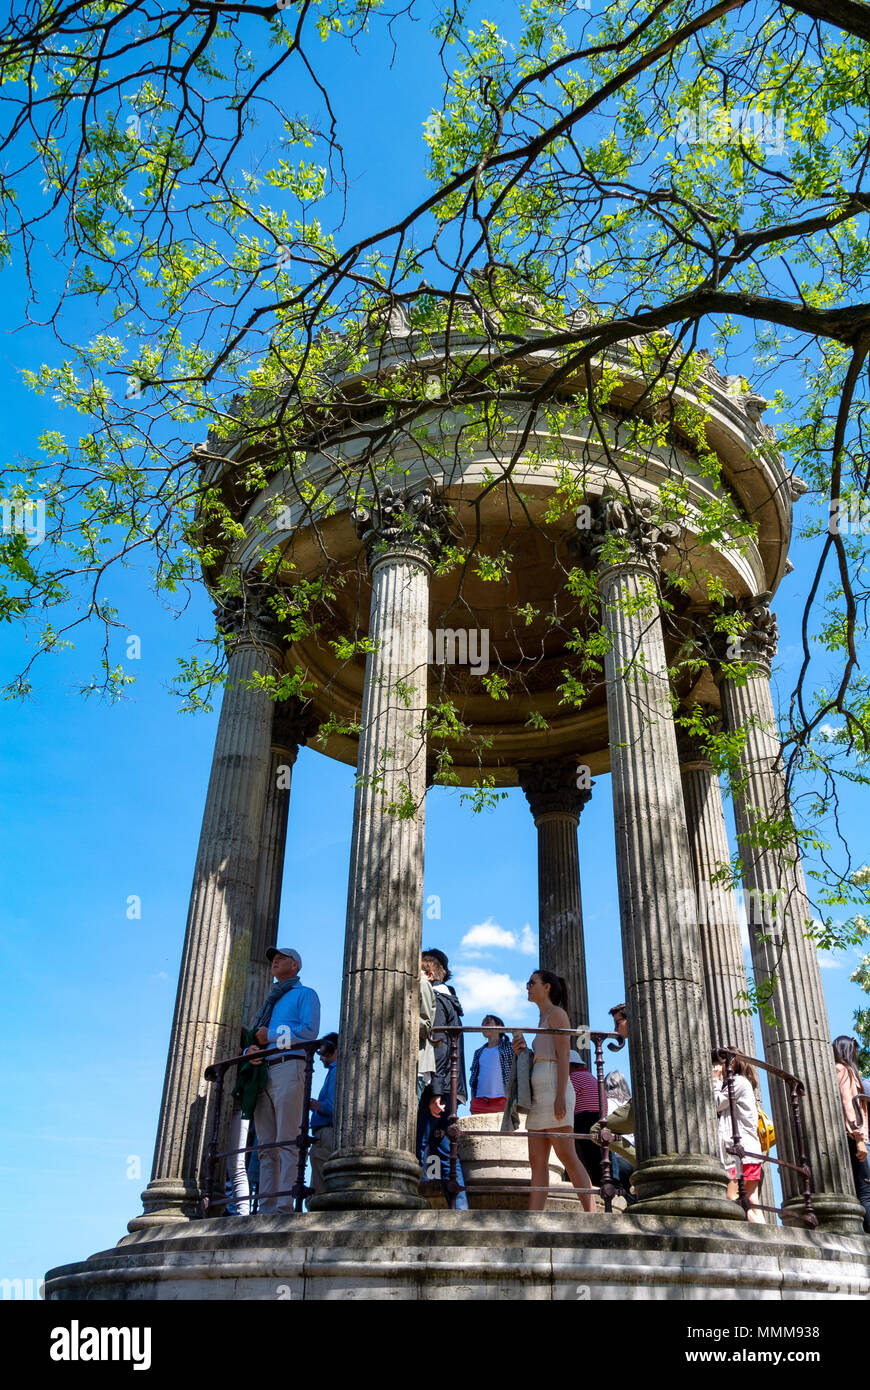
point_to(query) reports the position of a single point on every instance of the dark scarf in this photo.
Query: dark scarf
(275, 993)
(251, 1079)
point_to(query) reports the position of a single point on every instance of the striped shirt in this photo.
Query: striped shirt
(585, 1089)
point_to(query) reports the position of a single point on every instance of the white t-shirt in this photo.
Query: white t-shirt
(490, 1082)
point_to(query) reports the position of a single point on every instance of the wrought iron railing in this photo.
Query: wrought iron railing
(212, 1202)
(608, 1188)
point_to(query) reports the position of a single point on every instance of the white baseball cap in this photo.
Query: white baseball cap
(274, 951)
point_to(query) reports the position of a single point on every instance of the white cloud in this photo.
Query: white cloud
(828, 961)
(528, 941)
(490, 934)
(484, 991)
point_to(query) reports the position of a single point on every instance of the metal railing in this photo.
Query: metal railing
(213, 1200)
(728, 1056)
(216, 1073)
(608, 1187)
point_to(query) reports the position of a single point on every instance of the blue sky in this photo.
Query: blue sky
(104, 802)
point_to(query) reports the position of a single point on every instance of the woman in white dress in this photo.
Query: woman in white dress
(550, 1122)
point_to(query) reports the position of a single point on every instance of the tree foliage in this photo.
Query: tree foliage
(615, 195)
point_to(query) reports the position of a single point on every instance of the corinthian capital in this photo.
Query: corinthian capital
(610, 531)
(552, 787)
(690, 747)
(756, 643)
(403, 522)
(293, 724)
(250, 617)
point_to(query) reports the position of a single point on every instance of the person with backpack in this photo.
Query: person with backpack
(745, 1084)
(433, 1145)
(854, 1117)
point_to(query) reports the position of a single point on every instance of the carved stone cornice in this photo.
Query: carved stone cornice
(293, 724)
(249, 617)
(756, 645)
(690, 748)
(643, 538)
(551, 788)
(414, 523)
(797, 486)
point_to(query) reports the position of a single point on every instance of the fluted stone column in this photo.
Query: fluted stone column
(374, 1164)
(675, 1125)
(718, 918)
(779, 913)
(292, 725)
(217, 944)
(555, 802)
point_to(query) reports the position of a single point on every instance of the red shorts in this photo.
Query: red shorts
(751, 1172)
(487, 1105)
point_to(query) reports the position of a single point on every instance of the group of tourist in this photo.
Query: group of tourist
(562, 1099)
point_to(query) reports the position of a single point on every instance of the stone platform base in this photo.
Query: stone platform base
(469, 1255)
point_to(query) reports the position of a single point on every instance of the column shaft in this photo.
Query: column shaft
(217, 944)
(556, 803)
(723, 967)
(668, 1030)
(273, 841)
(560, 911)
(678, 1170)
(718, 916)
(779, 914)
(374, 1164)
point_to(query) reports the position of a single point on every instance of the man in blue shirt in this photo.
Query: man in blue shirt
(322, 1112)
(290, 1014)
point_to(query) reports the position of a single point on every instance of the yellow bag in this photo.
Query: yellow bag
(766, 1132)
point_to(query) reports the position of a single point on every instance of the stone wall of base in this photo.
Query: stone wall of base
(469, 1255)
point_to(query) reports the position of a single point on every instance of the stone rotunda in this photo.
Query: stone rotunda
(376, 685)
